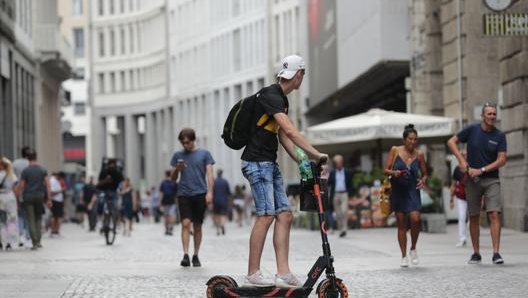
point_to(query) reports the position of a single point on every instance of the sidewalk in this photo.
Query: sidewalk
(146, 264)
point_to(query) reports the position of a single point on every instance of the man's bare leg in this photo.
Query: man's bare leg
(495, 230)
(281, 241)
(256, 242)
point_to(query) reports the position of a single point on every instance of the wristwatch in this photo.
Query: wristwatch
(483, 169)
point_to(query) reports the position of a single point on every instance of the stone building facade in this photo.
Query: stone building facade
(456, 68)
(513, 78)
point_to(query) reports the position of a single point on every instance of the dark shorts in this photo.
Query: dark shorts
(80, 208)
(192, 208)
(220, 209)
(57, 209)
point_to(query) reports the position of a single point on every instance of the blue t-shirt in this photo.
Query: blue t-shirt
(192, 178)
(168, 188)
(221, 191)
(482, 147)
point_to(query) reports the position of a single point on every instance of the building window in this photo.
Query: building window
(121, 6)
(249, 87)
(260, 83)
(112, 42)
(236, 8)
(112, 82)
(101, 44)
(131, 38)
(101, 83)
(122, 39)
(78, 73)
(100, 7)
(122, 80)
(237, 56)
(132, 79)
(79, 108)
(112, 7)
(77, 7)
(78, 42)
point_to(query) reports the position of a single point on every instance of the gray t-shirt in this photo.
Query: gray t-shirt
(34, 176)
(19, 165)
(192, 179)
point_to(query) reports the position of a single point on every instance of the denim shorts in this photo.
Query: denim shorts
(267, 187)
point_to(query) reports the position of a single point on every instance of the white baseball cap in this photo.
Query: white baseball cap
(290, 65)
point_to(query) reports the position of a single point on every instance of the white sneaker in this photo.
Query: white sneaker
(287, 280)
(258, 280)
(414, 257)
(404, 262)
(461, 243)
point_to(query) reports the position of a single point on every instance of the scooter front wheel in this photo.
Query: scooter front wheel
(324, 289)
(217, 282)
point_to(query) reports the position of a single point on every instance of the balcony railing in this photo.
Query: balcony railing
(51, 45)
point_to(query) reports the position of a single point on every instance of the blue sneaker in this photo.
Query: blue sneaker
(475, 259)
(497, 259)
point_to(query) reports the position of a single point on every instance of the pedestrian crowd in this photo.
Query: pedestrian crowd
(33, 201)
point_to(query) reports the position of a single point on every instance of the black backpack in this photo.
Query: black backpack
(239, 125)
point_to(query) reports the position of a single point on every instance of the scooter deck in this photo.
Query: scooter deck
(272, 291)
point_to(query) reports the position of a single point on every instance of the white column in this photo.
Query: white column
(120, 137)
(150, 151)
(160, 162)
(132, 158)
(98, 139)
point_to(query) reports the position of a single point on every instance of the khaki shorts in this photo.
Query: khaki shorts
(489, 188)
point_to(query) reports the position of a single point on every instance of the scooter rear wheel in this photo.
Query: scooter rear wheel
(219, 282)
(324, 289)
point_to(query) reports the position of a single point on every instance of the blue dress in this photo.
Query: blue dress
(404, 196)
(126, 205)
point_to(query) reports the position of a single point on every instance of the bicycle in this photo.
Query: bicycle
(109, 218)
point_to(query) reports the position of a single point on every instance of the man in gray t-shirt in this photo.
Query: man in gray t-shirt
(193, 165)
(34, 186)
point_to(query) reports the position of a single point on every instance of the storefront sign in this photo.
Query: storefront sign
(506, 24)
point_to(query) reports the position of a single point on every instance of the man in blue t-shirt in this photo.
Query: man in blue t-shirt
(167, 202)
(192, 165)
(486, 153)
(221, 194)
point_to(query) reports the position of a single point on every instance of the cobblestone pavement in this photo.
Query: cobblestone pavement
(146, 264)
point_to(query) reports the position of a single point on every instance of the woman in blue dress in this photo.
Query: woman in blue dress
(128, 205)
(406, 165)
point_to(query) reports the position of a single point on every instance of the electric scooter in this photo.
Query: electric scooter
(223, 286)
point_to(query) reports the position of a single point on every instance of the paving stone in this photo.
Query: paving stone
(80, 265)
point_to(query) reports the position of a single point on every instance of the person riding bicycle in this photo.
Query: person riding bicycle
(110, 178)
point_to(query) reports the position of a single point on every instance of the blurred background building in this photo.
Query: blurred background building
(35, 59)
(75, 121)
(138, 71)
(129, 84)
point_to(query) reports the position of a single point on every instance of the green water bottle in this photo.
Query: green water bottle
(303, 162)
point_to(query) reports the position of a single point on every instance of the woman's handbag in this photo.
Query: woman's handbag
(386, 188)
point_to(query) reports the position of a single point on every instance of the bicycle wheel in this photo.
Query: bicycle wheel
(109, 227)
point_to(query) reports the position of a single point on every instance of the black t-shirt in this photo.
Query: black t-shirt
(88, 191)
(264, 143)
(116, 176)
